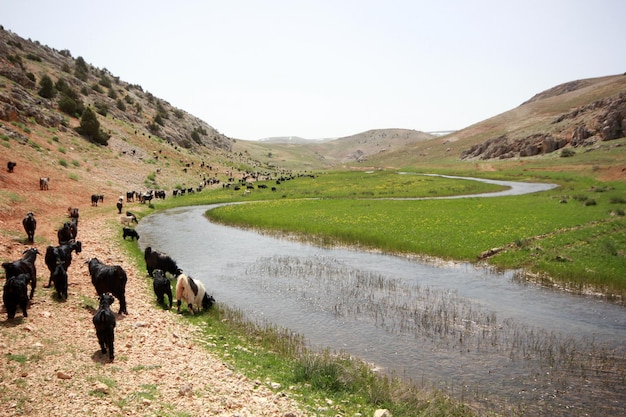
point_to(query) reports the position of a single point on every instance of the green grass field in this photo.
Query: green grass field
(574, 235)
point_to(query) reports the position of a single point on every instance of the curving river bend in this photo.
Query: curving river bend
(475, 333)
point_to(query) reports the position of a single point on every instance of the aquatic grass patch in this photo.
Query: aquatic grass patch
(322, 382)
(455, 330)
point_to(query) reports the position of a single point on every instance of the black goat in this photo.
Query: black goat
(128, 232)
(104, 321)
(72, 212)
(62, 254)
(109, 279)
(158, 260)
(59, 277)
(162, 287)
(95, 198)
(68, 232)
(30, 224)
(15, 293)
(25, 265)
(11, 165)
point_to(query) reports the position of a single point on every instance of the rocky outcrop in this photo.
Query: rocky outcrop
(503, 148)
(601, 120)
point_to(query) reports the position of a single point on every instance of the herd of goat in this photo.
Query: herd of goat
(109, 281)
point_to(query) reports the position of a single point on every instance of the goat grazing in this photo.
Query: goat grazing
(104, 322)
(30, 224)
(128, 232)
(25, 265)
(60, 254)
(15, 293)
(109, 279)
(193, 293)
(158, 260)
(162, 287)
(11, 165)
(128, 218)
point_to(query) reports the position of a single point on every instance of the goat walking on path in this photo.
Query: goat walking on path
(104, 322)
(30, 224)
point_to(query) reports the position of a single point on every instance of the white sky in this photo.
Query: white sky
(333, 68)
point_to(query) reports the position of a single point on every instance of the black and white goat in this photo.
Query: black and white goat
(109, 279)
(15, 294)
(30, 224)
(128, 218)
(193, 293)
(104, 322)
(25, 265)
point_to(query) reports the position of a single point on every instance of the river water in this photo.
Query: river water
(483, 336)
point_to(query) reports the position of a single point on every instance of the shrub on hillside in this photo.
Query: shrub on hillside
(90, 128)
(47, 87)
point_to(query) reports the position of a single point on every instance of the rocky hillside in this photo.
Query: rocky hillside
(142, 142)
(76, 85)
(583, 125)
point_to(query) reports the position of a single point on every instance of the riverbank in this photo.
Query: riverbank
(51, 364)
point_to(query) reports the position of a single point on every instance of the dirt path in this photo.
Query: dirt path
(50, 363)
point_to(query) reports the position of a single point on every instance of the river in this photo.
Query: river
(473, 332)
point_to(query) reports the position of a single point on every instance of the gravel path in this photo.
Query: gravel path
(50, 362)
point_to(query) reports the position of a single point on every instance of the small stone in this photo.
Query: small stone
(102, 388)
(185, 390)
(381, 412)
(63, 375)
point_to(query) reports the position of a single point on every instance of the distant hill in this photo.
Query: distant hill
(292, 139)
(322, 154)
(148, 135)
(577, 115)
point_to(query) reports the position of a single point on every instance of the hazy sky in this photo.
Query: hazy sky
(332, 68)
